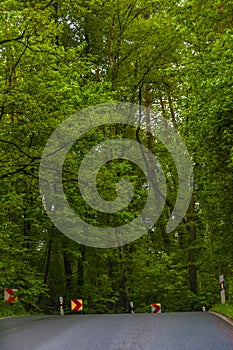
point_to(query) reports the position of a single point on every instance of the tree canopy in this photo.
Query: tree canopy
(173, 57)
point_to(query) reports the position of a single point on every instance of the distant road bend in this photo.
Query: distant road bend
(171, 331)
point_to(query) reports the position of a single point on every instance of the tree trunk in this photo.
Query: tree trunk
(124, 282)
(68, 273)
(80, 280)
(192, 250)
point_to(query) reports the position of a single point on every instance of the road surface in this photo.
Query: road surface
(171, 331)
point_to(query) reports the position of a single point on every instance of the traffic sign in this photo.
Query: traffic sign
(9, 295)
(76, 304)
(156, 308)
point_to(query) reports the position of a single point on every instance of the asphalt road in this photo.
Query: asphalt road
(171, 331)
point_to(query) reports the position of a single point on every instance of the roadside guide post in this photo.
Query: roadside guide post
(131, 307)
(222, 289)
(61, 306)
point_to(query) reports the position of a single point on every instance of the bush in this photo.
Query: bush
(11, 309)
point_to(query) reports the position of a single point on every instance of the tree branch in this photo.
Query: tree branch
(50, 3)
(15, 145)
(14, 39)
(19, 170)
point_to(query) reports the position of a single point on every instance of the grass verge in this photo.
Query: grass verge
(224, 309)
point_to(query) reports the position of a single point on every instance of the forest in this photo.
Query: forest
(60, 57)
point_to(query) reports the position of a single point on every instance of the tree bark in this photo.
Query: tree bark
(192, 250)
(80, 280)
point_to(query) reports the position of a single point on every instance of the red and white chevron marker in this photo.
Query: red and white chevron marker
(156, 308)
(9, 295)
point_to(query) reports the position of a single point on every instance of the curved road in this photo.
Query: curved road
(171, 331)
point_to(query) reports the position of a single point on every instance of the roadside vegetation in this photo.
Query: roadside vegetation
(224, 309)
(60, 57)
(14, 309)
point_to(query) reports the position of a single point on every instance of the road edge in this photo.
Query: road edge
(223, 317)
(4, 318)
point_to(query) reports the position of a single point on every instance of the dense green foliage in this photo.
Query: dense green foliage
(59, 57)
